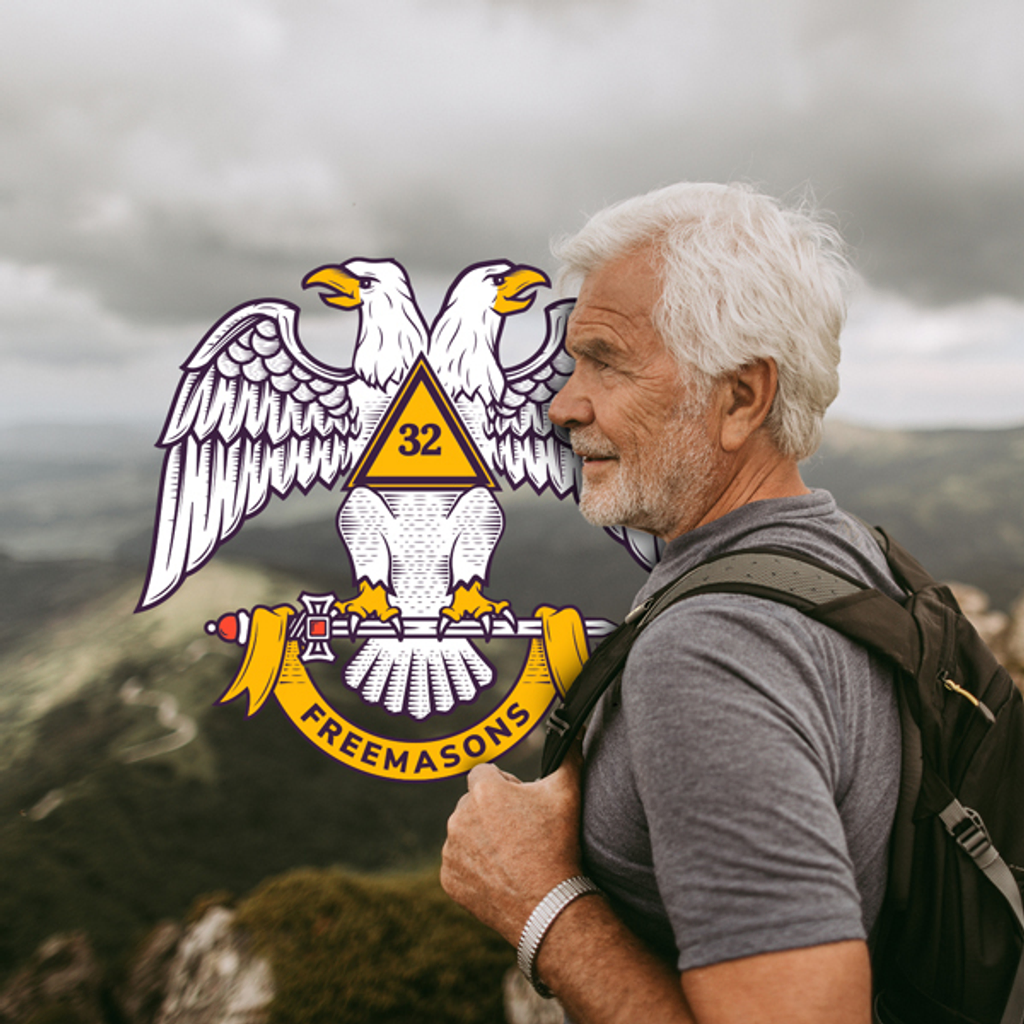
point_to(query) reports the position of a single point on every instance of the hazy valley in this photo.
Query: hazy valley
(103, 842)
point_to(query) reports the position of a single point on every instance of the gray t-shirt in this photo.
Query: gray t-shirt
(740, 799)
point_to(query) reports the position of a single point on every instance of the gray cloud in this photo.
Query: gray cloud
(178, 159)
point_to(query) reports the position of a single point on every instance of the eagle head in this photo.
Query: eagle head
(464, 337)
(360, 282)
(391, 329)
(499, 286)
(515, 287)
(344, 286)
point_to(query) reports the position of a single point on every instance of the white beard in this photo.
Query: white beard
(656, 489)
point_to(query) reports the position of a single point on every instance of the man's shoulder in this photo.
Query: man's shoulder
(744, 642)
(810, 525)
(739, 644)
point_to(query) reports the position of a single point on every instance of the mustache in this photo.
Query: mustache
(591, 445)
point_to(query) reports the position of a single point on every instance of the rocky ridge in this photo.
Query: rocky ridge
(1002, 631)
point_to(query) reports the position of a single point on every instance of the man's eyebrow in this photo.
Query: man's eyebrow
(596, 348)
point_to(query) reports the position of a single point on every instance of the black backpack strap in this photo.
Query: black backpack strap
(910, 574)
(861, 613)
(967, 828)
(597, 674)
(792, 579)
(762, 572)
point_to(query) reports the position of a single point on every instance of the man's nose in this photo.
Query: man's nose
(570, 407)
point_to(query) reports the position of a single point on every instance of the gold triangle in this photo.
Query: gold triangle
(421, 442)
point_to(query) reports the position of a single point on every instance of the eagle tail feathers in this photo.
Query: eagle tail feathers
(418, 677)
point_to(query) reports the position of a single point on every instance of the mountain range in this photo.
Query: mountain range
(954, 497)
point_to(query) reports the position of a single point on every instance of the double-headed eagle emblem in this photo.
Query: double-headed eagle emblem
(416, 431)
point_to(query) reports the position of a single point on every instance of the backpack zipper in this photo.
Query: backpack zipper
(639, 610)
(950, 684)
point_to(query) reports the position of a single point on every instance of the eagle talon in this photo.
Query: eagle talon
(443, 622)
(509, 616)
(370, 603)
(468, 603)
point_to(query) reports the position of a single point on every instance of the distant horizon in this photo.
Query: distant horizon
(142, 425)
(905, 365)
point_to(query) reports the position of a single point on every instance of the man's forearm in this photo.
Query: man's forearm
(508, 844)
(603, 974)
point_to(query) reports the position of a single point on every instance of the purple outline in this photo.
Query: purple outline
(422, 373)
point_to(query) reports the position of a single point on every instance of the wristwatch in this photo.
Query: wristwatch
(542, 918)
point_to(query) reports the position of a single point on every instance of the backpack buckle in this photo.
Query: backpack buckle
(972, 837)
(556, 723)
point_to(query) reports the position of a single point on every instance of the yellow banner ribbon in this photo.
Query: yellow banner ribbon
(272, 665)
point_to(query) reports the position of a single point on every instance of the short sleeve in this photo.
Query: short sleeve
(736, 744)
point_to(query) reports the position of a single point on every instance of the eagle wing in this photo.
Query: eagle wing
(531, 447)
(254, 414)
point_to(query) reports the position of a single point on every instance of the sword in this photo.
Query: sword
(320, 622)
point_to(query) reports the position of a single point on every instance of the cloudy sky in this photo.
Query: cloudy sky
(162, 162)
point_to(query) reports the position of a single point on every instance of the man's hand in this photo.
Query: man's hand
(510, 842)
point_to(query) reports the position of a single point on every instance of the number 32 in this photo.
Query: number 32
(412, 445)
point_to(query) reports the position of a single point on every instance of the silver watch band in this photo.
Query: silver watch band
(538, 923)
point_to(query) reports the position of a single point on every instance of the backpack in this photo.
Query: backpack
(949, 945)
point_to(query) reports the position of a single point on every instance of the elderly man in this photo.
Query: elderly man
(734, 799)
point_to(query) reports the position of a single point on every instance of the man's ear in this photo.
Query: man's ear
(747, 398)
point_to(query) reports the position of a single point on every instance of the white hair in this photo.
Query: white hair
(743, 278)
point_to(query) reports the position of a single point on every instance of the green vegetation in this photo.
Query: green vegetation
(33, 592)
(134, 843)
(374, 950)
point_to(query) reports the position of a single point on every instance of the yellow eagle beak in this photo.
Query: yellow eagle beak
(510, 297)
(344, 286)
